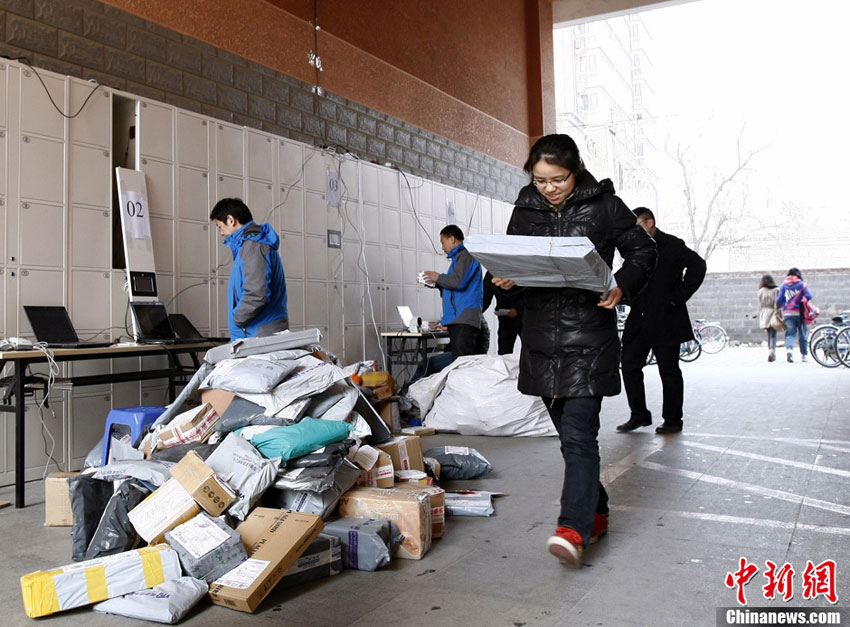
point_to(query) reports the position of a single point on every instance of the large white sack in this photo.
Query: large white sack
(477, 395)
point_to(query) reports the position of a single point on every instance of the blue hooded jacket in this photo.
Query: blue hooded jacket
(257, 285)
(463, 289)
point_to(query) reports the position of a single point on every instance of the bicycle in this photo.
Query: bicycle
(710, 335)
(824, 345)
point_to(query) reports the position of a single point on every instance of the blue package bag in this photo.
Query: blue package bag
(296, 440)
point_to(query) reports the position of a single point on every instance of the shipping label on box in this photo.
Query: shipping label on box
(275, 539)
(410, 511)
(203, 485)
(57, 500)
(405, 451)
(162, 511)
(380, 475)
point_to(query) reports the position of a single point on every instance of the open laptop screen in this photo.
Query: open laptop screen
(152, 319)
(51, 324)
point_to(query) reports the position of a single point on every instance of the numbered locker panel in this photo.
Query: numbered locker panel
(159, 180)
(38, 113)
(350, 260)
(291, 155)
(42, 174)
(37, 287)
(195, 302)
(316, 249)
(93, 123)
(42, 234)
(193, 197)
(162, 235)
(228, 150)
(90, 176)
(89, 299)
(292, 255)
(192, 141)
(91, 238)
(260, 156)
(87, 422)
(156, 130)
(194, 249)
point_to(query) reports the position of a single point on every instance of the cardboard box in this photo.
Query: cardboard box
(420, 431)
(274, 539)
(437, 498)
(162, 511)
(195, 425)
(377, 379)
(382, 393)
(219, 399)
(390, 415)
(201, 483)
(57, 500)
(405, 451)
(380, 475)
(409, 510)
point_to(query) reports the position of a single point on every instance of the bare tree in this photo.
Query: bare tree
(716, 203)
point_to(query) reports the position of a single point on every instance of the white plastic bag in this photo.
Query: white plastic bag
(311, 376)
(248, 375)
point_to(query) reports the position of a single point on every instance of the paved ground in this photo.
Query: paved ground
(761, 472)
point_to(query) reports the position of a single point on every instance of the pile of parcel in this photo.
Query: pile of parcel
(271, 468)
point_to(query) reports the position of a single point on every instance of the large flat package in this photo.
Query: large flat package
(532, 261)
(66, 587)
(275, 539)
(410, 511)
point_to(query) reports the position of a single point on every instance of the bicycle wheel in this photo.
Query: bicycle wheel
(823, 352)
(820, 331)
(842, 346)
(712, 337)
(690, 350)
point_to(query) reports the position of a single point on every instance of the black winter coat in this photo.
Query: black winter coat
(658, 315)
(570, 346)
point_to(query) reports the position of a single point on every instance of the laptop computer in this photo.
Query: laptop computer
(153, 325)
(52, 325)
(185, 330)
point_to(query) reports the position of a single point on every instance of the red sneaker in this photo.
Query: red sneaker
(566, 545)
(600, 527)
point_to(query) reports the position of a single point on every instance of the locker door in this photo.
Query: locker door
(375, 264)
(87, 421)
(390, 229)
(353, 350)
(352, 294)
(91, 237)
(4, 91)
(315, 170)
(228, 150)
(42, 235)
(260, 156)
(409, 266)
(192, 140)
(193, 197)
(34, 445)
(155, 131)
(162, 234)
(260, 200)
(392, 299)
(126, 394)
(437, 206)
(291, 212)
(316, 214)
(317, 258)
(194, 249)
(38, 287)
(2, 158)
(42, 169)
(348, 174)
(392, 265)
(291, 156)
(408, 230)
(292, 255)
(369, 180)
(424, 198)
(159, 180)
(90, 295)
(90, 170)
(295, 304)
(120, 313)
(389, 187)
(195, 302)
(5, 332)
(410, 298)
(229, 187)
(38, 114)
(371, 230)
(222, 306)
(92, 125)
(350, 255)
(317, 305)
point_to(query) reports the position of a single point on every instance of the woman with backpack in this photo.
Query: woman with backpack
(793, 298)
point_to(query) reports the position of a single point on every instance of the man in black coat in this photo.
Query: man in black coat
(658, 321)
(508, 312)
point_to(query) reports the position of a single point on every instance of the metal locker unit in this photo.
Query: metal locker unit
(159, 181)
(260, 156)
(296, 304)
(34, 445)
(193, 140)
(316, 305)
(389, 187)
(88, 413)
(155, 132)
(315, 170)
(292, 255)
(88, 300)
(316, 212)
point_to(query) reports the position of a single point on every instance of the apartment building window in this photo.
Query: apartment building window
(636, 60)
(635, 30)
(588, 102)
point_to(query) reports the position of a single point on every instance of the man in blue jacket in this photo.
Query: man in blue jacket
(257, 285)
(462, 288)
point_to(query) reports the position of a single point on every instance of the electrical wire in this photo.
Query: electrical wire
(413, 208)
(97, 86)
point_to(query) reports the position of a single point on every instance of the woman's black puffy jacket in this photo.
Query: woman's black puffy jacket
(569, 344)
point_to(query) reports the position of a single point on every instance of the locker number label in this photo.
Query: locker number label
(136, 216)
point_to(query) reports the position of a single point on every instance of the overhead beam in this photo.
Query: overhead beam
(566, 12)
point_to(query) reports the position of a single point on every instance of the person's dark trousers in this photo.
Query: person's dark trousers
(462, 338)
(771, 338)
(582, 496)
(509, 329)
(673, 387)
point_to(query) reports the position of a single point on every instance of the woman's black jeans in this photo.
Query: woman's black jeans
(583, 496)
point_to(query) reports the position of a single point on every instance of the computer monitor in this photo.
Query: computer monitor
(152, 321)
(51, 324)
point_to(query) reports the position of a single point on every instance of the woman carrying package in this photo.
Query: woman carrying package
(570, 350)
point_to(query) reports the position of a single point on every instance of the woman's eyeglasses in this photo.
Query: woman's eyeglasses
(557, 182)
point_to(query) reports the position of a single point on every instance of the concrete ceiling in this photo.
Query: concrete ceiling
(576, 11)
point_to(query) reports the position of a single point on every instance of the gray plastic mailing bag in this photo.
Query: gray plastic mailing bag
(207, 547)
(367, 544)
(166, 603)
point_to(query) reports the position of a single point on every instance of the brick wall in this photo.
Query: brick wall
(90, 40)
(730, 298)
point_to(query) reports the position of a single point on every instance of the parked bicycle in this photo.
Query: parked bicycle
(710, 335)
(825, 345)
